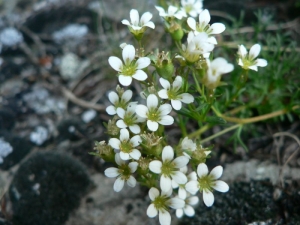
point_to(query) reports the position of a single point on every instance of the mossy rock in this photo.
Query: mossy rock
(46, 188)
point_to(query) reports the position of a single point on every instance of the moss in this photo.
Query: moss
(46, 188)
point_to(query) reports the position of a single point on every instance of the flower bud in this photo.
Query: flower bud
(163, 64)
(176, 31)
(104, 151)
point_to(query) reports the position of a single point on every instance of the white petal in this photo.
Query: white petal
(164, 83)
(165, 109)
(153, 193)
(131, 182)
(167, 153)
(189, 210)
(192, 23)
(152, 125)
(155, 166)
(182, 193)
(128, 54)
(202, 170)
(124, 156)
(180, 161)
(193, 200)
(160, 10)
(221, 186)
(149, 24)
(125, 80)
(179, 213)
(186, 98)
(216, 172)
(151, 211)
(261, 62)
(125, 22)
(119, 184)
(135, 154)
(177, 83)
(114, 142)
(124, 135)
(135, 128)
(121, 124)
(113, 97)
(204, 17)
(242, 51)
(133, 166)
(254, 51)
(176, 203)
(166, 120)
(152, 101)
(140, 75)
(115, 63)
(134, 16)
(216, 28)
(121, 112)
(165, 183)
(141, 110)
(192, 176)
(111, 110)
(146, 17)
(192, 186)
(208, 198)
(111, 172)
(127, 95)
(163, 94)
(211, 40)
(253, 67)
(164, 217)
(143, 62)
(135, 140)
(179, 177)
(118, 159)
(176, 104)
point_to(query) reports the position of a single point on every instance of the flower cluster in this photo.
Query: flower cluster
(173, 87)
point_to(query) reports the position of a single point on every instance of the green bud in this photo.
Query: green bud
(176, 31)
(163, 64)
(104, 151)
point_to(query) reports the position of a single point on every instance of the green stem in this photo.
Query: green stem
(220, 133)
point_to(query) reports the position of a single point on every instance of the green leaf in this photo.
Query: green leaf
(215, 120)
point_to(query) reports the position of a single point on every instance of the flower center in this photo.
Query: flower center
(124, 171)
(206, 183)
(160, 202)
(167, 168)
(126, 146)
(129, 118)
(172, 94)
(153, 114)
(129, 70)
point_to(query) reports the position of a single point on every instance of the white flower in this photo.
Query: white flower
(117, 101)
(188, 144)
(131, 68)
(155, 115)
(182, 193)
(123, 173)
(172, 12)
(138, 24)
(216, 68)
(173, 93)
(129, 118)
(206, 182)
(5, 149)
(126, 145)
(197, 45)
(168, 168)
(160, 204)
(204, 26)
(188, 209)
(248, 61)
(192, 7)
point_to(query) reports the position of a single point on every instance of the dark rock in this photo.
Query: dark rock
(243, 204)
(21, 147)
(71, 129)
(46, 188)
